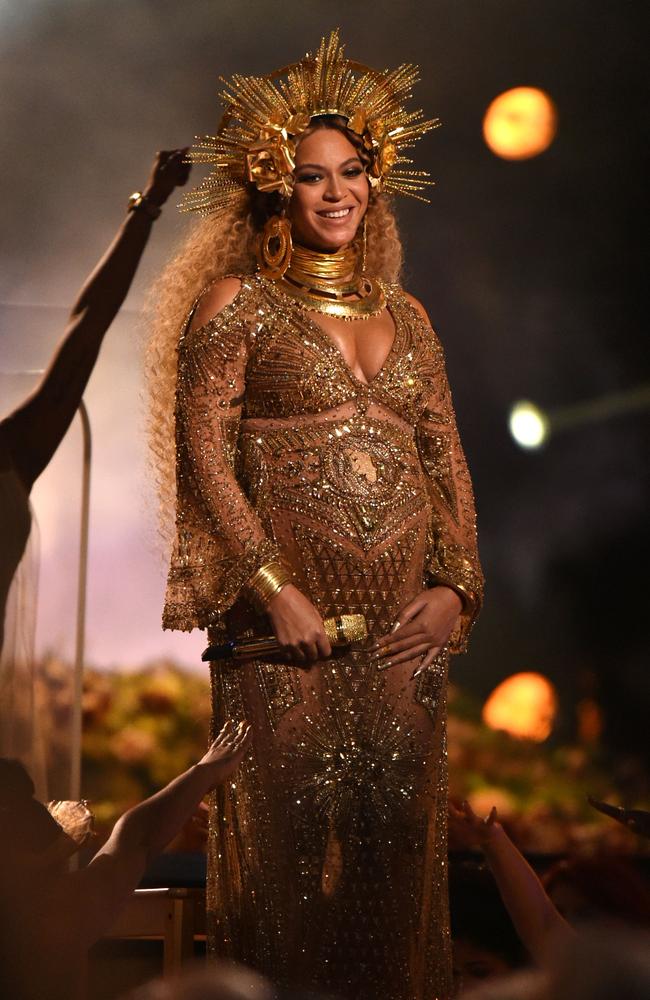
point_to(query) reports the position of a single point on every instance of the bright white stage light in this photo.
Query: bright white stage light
(528, 424)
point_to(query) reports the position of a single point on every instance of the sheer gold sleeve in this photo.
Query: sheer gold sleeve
(221, 542)
(452, 554)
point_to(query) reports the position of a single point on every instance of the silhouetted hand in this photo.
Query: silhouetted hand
(169, 171)
(469, 830)
(637, 820)
(225, 753)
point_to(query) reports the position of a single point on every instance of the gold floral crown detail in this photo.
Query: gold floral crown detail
(265, 115)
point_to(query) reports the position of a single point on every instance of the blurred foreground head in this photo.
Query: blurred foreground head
(214, 982)
(223, 981)
(484, 942)
(603, 887)
(30, 835)
(601, 964)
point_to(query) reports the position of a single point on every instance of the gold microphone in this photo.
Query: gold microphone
(341, 631)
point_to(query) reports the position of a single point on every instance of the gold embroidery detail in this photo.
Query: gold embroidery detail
(355, 772)
(283, 454)
(280, 689)
(430, 688)
(435, 452)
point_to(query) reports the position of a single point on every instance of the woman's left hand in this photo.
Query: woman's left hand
(422, 628)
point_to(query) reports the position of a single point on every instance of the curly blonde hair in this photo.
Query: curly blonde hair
(215, 248)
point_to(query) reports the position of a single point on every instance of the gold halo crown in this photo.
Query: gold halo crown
(265, 115)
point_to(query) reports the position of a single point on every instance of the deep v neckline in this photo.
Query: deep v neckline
(336, 351)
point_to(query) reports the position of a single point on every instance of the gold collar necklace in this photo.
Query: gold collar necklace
(330, 283)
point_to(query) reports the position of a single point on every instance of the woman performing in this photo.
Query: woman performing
(318, 473)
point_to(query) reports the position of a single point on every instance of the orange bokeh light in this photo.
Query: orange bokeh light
(523, 705)
(520, 123)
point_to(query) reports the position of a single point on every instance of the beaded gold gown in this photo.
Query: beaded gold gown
(327, 853)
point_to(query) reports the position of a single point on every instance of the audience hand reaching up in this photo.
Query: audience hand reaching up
(30, 435)
(169, 171)
(225, 753)
(92, 897)
(469, 831)
(534, 916)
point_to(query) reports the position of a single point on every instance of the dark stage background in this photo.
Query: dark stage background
(531, 272)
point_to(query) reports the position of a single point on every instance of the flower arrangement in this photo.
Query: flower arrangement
(143, 726)
(540, 790)
(140, 729)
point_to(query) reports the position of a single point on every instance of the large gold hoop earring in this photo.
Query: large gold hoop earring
(274, 248)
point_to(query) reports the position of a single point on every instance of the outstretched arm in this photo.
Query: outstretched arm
(534, 916)
(95, 894)
(33, 432)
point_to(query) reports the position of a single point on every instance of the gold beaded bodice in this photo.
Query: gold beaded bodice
(327, 852)
(270, 415)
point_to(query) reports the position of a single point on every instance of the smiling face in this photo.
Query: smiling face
(331, 190)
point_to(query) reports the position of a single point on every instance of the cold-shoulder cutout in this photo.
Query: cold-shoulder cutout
(418, 305)
(214, 299)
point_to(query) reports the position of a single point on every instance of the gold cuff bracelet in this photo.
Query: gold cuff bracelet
(267, 582)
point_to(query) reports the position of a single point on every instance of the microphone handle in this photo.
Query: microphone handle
(241, 649)
(341, 632)
(247, 649)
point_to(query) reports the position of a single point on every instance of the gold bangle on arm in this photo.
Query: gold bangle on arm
(471, 603)
(451, 567)
(467, 598)
(267, 581)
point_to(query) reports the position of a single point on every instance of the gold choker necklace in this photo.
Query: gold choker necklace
(330, 283)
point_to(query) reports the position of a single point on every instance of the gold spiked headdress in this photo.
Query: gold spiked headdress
(265, 115)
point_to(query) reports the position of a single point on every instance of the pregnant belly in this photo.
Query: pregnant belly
(358, 480)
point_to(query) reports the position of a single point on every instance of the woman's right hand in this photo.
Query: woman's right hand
(169, 170)
(298, 627)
